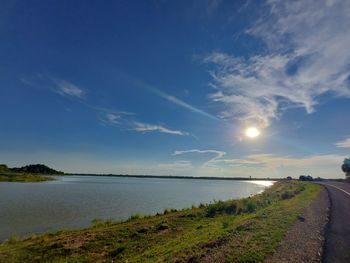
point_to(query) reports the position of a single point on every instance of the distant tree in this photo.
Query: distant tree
(346, 165)
(305, 178)
(289, 178)
(36, 169)
(346, 168)
(3, 168)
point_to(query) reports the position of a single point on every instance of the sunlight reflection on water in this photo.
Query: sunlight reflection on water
(264, 183)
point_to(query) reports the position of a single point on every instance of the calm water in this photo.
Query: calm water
(74, 201)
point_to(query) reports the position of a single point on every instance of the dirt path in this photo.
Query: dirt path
(304, 242)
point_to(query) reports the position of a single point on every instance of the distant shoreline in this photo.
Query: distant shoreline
(178, 177)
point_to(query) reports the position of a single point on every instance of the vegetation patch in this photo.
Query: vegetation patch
(14, 175)
(246, 230)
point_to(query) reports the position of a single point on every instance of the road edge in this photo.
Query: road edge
(327, 226)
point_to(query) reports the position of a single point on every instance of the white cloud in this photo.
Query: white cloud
(217, 154)
(66, 88)
(122, 119)
(60, 86)
(173, 99)
(307, 56)
(127, 121)
(268, 165)
(111, 118)
(144, 127)
(344, 143)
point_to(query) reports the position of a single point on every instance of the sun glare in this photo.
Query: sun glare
(252, 132)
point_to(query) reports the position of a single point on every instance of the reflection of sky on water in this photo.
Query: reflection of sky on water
(74, 201)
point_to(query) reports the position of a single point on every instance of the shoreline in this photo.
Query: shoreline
(204, 232)
(224, 191)
(176, 177)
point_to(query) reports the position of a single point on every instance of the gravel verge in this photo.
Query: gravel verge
(305, 240)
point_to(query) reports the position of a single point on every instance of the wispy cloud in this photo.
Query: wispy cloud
(217, 154)
(268, 165)
(173, 99)
(344, 143)
(144, 127)
(111, 118)
(280, 166)
(306, 56)
(57, 85)
(66, 88)
(129, 122)
(123, 119)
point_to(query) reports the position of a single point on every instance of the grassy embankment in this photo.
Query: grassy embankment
(7, 175)
(246, 230)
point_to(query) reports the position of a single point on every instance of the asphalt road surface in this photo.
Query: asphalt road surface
(338, 234)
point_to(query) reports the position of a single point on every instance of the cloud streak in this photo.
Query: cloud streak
(144, 128)
(66, 88)
(343, 144)
(128, 122)
(268, 165)
(122, 119)
(173, 99)
(112, 119)
(306, 56)
(217, 154)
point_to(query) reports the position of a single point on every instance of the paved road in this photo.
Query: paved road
(338, 234)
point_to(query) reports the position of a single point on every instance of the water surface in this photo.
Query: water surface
(74, 201)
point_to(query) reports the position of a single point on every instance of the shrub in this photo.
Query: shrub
(218, 207)
(162, 226)
(13, 238)
(286, 195)
(100, 223)
(251, 207)
(210, 211)
(119, 249)
(135, 216)
(231, 208)
(225, 225)
(201, 205)
(167, 210)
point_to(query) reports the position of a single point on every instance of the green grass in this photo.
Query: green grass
(23, 178)
(246, 230)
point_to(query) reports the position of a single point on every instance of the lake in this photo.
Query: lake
(74, 201)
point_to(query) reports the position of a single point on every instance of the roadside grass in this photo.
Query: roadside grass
(246, 230)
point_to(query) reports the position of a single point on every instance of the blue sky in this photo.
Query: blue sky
(169, 87)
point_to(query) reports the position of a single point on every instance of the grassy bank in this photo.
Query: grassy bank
(245, 230)
(7, 175)
(23, 178)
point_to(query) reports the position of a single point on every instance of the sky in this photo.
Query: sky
(169, 87)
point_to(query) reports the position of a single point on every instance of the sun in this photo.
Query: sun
(252, 132)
